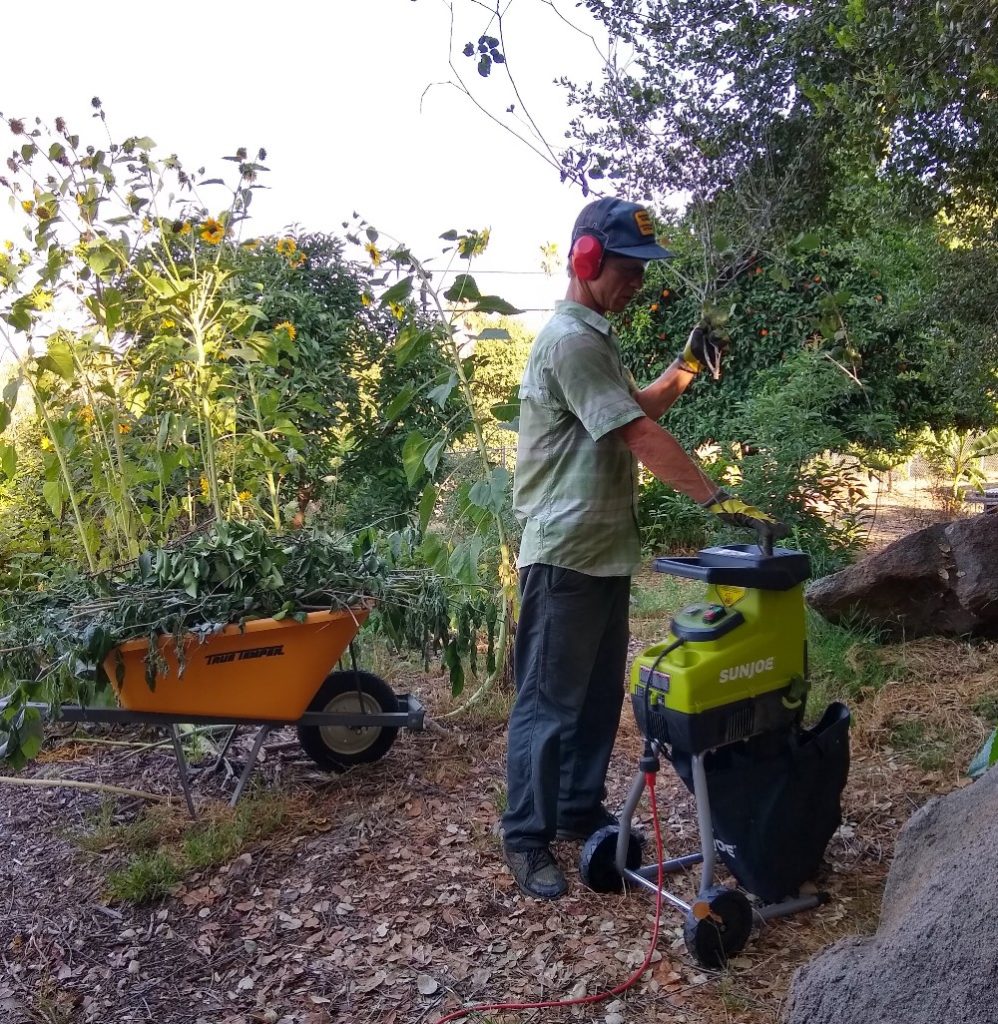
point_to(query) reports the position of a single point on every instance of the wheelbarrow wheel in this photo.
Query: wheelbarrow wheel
(717, 926)
(337, 747)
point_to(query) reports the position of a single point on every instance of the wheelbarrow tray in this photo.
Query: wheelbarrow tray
(265, 669)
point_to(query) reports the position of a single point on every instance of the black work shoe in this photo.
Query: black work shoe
(536, 872)
(583, 829)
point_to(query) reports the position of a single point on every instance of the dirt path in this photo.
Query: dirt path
(902, 510)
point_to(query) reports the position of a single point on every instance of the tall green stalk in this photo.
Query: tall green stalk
(275, 505)
(200, 324)
(505, 571)
(59, 452)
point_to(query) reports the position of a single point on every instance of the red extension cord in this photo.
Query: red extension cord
(599, 997)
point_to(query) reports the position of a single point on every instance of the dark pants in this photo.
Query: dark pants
(570, 658)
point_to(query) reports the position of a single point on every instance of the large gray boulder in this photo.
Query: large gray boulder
(934, 957)
(942, 580)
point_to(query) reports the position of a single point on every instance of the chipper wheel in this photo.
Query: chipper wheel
(598, 862)
(338, 747)
(718, 926)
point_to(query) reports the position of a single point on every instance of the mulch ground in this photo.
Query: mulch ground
(385, 898)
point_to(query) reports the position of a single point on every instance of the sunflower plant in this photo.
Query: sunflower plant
(148, 366)
(472, 542)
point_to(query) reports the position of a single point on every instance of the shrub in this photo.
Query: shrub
(669, 521)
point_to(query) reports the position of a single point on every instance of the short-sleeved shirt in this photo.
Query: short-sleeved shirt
(575, 489)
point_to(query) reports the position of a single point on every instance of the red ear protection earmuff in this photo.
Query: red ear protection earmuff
(587, 257)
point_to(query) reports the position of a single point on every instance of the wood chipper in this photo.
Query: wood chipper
(722, 698)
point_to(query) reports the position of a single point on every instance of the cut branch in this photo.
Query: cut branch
(97, 787)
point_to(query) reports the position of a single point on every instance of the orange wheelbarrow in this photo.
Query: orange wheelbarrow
(265, 673)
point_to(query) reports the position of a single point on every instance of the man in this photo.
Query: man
(584, 424)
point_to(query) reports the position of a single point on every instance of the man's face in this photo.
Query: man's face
(618, 282)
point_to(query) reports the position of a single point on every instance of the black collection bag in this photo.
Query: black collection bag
(774, 801)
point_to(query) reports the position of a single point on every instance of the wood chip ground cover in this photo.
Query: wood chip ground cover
(385, 899)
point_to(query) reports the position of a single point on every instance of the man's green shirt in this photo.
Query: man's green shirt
(575, 489)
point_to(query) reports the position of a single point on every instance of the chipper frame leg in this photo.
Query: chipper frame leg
(647, 876)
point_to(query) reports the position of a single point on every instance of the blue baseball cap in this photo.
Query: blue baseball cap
(624, 228)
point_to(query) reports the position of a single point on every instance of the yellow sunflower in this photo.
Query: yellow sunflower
(374, 253)
(289, 329)
(41, 299)
(286, 246)
(212, 231)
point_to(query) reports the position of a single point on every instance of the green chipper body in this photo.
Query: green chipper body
(734, 663)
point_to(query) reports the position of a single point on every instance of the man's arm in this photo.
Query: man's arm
(703, 350)
(657, 449)
(661, 393)
(665, 457)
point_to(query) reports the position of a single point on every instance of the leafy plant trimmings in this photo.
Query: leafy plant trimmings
(53, 641)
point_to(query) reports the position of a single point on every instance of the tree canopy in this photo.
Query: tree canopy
(793, 95)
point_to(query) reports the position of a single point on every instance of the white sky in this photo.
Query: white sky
(333, 92)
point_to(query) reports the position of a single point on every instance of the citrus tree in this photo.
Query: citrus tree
(836, 358)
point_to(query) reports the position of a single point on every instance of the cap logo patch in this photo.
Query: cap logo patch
(643, 220)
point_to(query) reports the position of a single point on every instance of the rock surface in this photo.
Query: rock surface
(934, 957)
(942, 580)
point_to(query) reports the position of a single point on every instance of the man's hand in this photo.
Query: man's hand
(704, 348)
(735, 512)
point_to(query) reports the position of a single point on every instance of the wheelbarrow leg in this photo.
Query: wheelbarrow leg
(178, 750)
(225, 748)
(261, 735)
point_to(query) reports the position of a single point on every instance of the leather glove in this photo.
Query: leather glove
(704, 348)
(735, 512)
